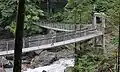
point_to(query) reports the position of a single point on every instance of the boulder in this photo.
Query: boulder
(28, 55)
(6, 63)
(25, 56)
(9, 57)
(45, 58)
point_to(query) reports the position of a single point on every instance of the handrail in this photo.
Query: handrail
(47, 39)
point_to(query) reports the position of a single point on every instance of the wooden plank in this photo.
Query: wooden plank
(55, 44)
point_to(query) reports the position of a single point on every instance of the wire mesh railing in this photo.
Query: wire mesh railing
(51, 39)
(57, 25)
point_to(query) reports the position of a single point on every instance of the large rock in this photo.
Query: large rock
(9, 57)
(25, 56)
(6, 63)
(45, 58)
(3, 60)
(28, 55)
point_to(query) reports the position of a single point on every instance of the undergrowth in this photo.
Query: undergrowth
(93, 60)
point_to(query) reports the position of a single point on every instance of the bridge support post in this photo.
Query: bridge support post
(53, 33)
(95, 42)
(94, 26)
(103, 36)
(94, 20)
(103, 43)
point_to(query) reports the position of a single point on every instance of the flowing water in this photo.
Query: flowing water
(58, 66)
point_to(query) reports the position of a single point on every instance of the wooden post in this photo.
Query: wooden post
(94, 26)
(80, 36)
(7, 46)
(19, 37)
(95, 42)
(38, 44)
(94, 20)
(28, 41)
(53, 33)
(103, 30)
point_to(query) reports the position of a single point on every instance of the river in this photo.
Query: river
(57, 66)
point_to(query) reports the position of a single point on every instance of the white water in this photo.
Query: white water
(57, 66)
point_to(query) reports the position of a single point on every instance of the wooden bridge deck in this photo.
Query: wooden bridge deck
(46, 46)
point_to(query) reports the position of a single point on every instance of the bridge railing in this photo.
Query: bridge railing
(57, 25)
(51, 39)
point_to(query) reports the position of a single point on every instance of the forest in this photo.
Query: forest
(67, 11)
(57, 11)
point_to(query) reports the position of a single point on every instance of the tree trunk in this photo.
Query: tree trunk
(19, 37)
(119, 46)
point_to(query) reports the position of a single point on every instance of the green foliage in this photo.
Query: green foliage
(113, 11)
(33, 14)
(88, 63)
(8, 12)
(80, 11)
(94, 61)
(115, 40)
(57, 17)
(12, 28)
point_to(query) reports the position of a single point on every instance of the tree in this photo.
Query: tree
(32, 15)
(19, 36)
(119, 43)
(119, 46)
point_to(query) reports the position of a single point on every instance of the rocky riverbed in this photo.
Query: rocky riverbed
(49, 60)
(58, 66)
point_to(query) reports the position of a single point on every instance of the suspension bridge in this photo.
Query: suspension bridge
(70, 34)
(59, 26)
